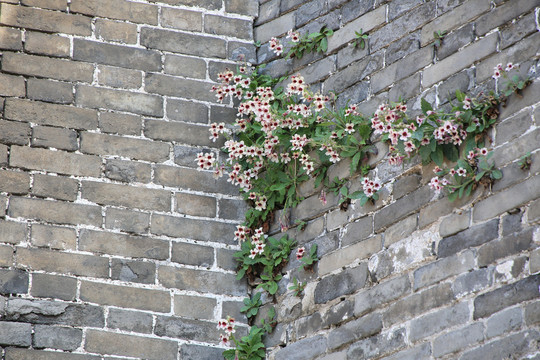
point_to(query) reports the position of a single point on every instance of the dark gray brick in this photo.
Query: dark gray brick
(197, 307)
(402, 207)
(421, 352)
(199, 352)
(13, 281)
(201, 280)
(15, 334)
(304, 349)
(474, 236)
(56, 337)
(196, 330)
(508, 245)
(133, 271)
(221, 25)
(458, 339)
(443, 268)
(44, 136)
(53, 286)
(14, 132)
(192, 254)
(438, 321)
(128, 171)
(125, 124)
(340, 284)
(49, 90)
(127, 220)
(188, 44)
(455, 40)
(472, 281)
(381, 294)
(135, 321)
(507, 347)
(377, 345)
(202, 230)
(355, 330)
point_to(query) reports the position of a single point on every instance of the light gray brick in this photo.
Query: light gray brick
(15, 182)
(119, 77)
(458, 339)
(380, 294)
(355, 330)
(196, 205)
(455, 223)
(304, 349)
(350, 254)
(187, 111)
(502, 14)
(127, 320)
(50, 91)
(400, 230)
(185, 66)
(378, 345)
(454, 41)
(127, 220)
(15, 334)
(191, 179)
(22, 354)
(10, 39)
(47, 4)
(438, 321)
(201, 280)
(276, 27)
(508, 245)
(194, 307)
(183, 43)
(504, 322)
(179, 132)
(12, 85)
(340, 284)
(118, 123)
(54, 286)
(54, 237)
(14, 132)
(192, 229)
(442, 269)
(116, 31)
(133, 271)
(102, 144)
(118, 9)
(172, 86)
(52, 137)
(56, 337)
(46, 44)
(354, 73)
(192, 254)
(513, 345)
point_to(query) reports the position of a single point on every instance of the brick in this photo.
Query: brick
(276, 27)
(11, 85)
(10, 39)
(182, 19)
(14, 182)
(455, 223)
(22, 354)
(518, 30)
(13, 282)
(232, 308)
(15, 334)
(194, 307)
(65, 263)
(50, 114)
(355, 330)
(377, 345)
(102, 98)
(44, 136)
(513, 127)
(438, 209)
(45, 20)
(225, 259)
(442, 269)
(188, 44)
(50, 91)
(360, 69)
(534, 264)
(366, 22)
(460, 60)
(185, 66)
(516, 149)
(57, 187)
(196, 205)
(200, 352)
(398, 8)
(347, 255)
(3, 155)
(192, 229)
(350, 54)
(504, 322)
(128, 171)
(172, 86)
(133, 271)
(508, 199)
(55, 161)
(6, 256)
(187, 111)
(14, 132)
(422, 351)
(178, 132)
(54, 286)
(116, 31)
(512, 223)
(123, 245)
(267, 11)
(401, 208)
(340, 284)
(192, 254)
(306, 348)
(532, 313)
(459, 16)
(221, 25)
(118, 123)
(502, 14)
(46, 44)
(206, 4)
(508, 245)
(401, 69)
(474, 236)
(400, 230)
(12, 232)
(417, 303)
(124, 296)
(310, 11)
(460, 81)
(119, 77)
(103, 342)
(458, 339)
(232, 209)
(54, 237)
(129, 196)
(455, 40)
(312, 207)
(438, 321)
(406, 88)
(127, 320)
(201, 280)
(513, 345)
(47, 4)
(117, 9)
(127, 220)
(55, 337)
(102, 144)
(506, 296)
(250, 7)
(385, 292)
(196, 330)
(191, 179)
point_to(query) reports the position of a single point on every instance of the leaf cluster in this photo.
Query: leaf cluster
(311, 42)
(360, 39)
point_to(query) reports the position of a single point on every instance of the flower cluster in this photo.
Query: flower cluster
(370, 187)
(227, 325)
(499, 70)
(300, 252)
(257, 242)
(205, 161)
(276, 46)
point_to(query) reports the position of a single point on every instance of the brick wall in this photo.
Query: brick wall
(112, 244)
(415, 276)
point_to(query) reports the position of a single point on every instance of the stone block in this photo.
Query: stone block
(12, 85)
(15, 334)
(58, 187)
(378, 345)
(14, 132)
(195, 307)
(275, 27)
(116, 31)
(454, 223)
(10, 39)
(225, 259)
(13, 282)
(406, 88)
(197, 330)
(350, 254)
(358, 231)
(401, 208)
(518, 30)
(400, 7)
(443, 268)
(447, 88)
(508, 245)
(532, 313)
(513, 127)
(124, 296)
(221, 25)
(355, 330)
(249, 7)
(473, 236)
(60, 212)
(400, 230)
(201, 280)
(504, 322)
(118, 123)
(502, 14)
(23, 354)
(512, 345)
(438, 321)
(187, 111)
(353, 73)
(6, 256)
(53, 286)
(46, 44)
(136, 321)
(102, 144)
(118, 9)
(14, 182)
(383, 293)
(455, 40)
(54, 237)
(133, 271)
(458, 339)
(44, 136)
(50, 91)
(344, 283)
(192, 254)
(200, 352)
(12, 232)
(56, 337)
(191, 179)
(128, 171)
(303, 349)
(267, 11)
(185, 66)
(119, 78)
(47, 4)
(179, 132)
(194, 229)
(183, 43)
(472, 282)
(232, 209)
(127, 220)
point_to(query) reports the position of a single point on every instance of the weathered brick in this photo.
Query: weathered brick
(6, 256)
(345, 78)
(55, 212)
(54, 237)
(55, 161)
(400, 7)
(517, 148)
(192, 254)
(182, 19)
(221, 25)
(135, 102)
(128, 171)
(400, 230)
(502, 14)
(10, 39)
(503, 322)
(355, 330)
(124, 296)
(532, 313)
(249, 7)
(310, 11)
(117, 9)
(44, 136)
(45, 44)
(508, 199)
(518, 30)
(276, 27)
(192, 229)
(200, 352)
(534, 264)
(417, 303)
(312, 206)
(127, 220)
(474, 236)
(458, 339)
(15, 334)
(23, 354)
(340, 284)
(13, 281)
(14, 132)
(241, 51)
(3, 155)
(178, 132)
(460, 60)
(103, 342)
(183, 43)
(455, 40)
(385, 292)
(11, 85)
(232, 209)
(170, 85)
(508, 245)
(50, 91)
(201, 281)
(196, 330)
(127, 320)
(129, 196)
(116, 31)
(196, 205)
(442, 269)
(102, 144)
(12, 232)
(438, 209)
(422, 351)
(58, 187)
(401, 208)
(512, 223)
(306, 348)
(377, 345)
(438, 321)
(510, 346)
(64, 263)
(194, 307)
(58, 69)
(14, 182)
(455, 223)
(124, 245)
(406, 88)
(119, 77)
(187, 111)
(506, 296)
(267, 11)
(50, 114)
(513, 127)
(53, 286)
(191, 179)
(118, 123)
(225, 259)
(133, 271)
(45, 20)
(54, 313)
(56, 337)
(447, 89)
(350, 254)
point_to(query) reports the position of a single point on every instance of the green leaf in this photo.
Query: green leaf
(479, 175)
(324, 45)
(450, 152)
(438, 157)
(425, 106)
(355, 161)
(496, 174)
(468, 190)
(452, 196)
(273, 287)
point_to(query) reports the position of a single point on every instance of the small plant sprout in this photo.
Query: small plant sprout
(251, 305)
(312, 42)
(308, 260)
(525, 161)
(438, 36)
(514, 82)
(360, 40)
(298, 287)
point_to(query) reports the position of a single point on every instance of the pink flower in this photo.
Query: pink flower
(300, 252)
